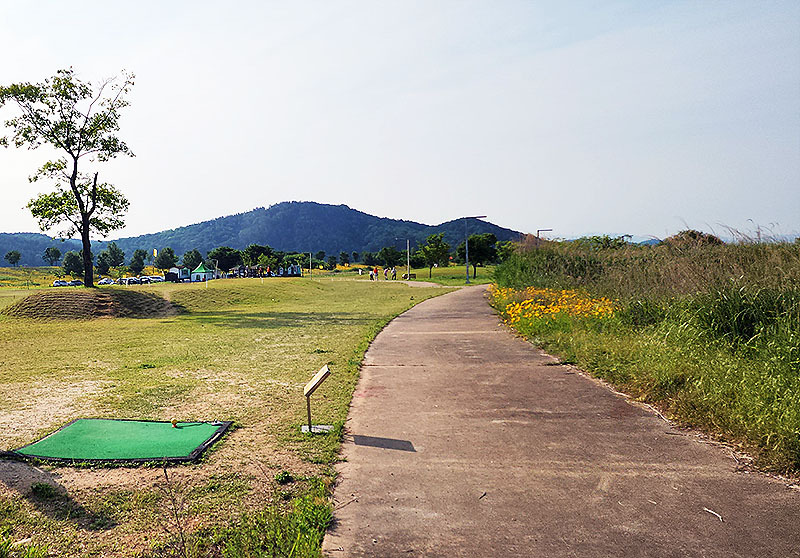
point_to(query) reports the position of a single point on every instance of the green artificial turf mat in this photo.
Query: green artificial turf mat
(126, 440)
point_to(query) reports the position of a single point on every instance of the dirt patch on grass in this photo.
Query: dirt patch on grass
(87, 304)
(45, 405)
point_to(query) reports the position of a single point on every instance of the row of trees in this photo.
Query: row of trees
(483, 249)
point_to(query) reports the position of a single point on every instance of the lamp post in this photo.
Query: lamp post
(537, 235)
(466, 241)
(408, 257)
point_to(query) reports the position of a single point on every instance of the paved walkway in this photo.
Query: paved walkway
(464, 440)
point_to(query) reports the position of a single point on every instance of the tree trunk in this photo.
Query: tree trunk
(474, 270)
(430, 272)
(88, 279)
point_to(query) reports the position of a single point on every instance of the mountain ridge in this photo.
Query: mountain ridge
(291, 226)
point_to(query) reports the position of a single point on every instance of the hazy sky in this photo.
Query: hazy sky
(586, 117)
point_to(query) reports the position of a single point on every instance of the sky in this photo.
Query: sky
(586, 117)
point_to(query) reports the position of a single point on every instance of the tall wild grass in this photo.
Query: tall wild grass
(708, 331)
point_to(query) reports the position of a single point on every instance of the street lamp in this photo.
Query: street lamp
(466, 241)
(537, 235)
(408, 258)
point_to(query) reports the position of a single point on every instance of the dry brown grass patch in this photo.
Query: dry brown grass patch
(87, 304)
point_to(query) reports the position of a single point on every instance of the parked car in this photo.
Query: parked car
(75, 283)
(60, 283)
(156, 279)
(144, 280)
(106, 281)
(133, 281)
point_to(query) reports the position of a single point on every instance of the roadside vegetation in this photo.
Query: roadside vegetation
(234, 349)
(708, 332)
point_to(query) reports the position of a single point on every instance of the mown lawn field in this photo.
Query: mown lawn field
(240, 350)
(452, 276)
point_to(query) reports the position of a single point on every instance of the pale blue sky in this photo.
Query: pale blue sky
(585, 117)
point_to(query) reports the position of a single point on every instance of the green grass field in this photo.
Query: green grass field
(452, 276)
(241, 350)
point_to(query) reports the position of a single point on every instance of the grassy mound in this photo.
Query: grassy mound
(86, 304)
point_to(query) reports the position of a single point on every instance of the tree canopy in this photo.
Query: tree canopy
(13, 257)
(103, 264)
(226, 257)
(51, 255)
(80, 122)
(482, 250)
(116, 257)
(253, 253)
(73, 263)
(192, 259)
(435, 251)
(137, 262)
(165, 259)
(390, 256)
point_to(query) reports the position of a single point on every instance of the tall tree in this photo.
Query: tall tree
(482, 250)
(320, 255)
(192, 258)
(137, 261)
(13, 257)
(390, 256)
(165, 259)
(116, 257)
(73, 263)
(332, 262)
(103, 265)
(253, 252)
(225, 257)
(369, 258)
(80, 122)
(52, 255)
(435, 251)
(344, 258)
(355, 257)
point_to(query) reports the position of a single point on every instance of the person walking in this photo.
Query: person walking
(386, 273)
(394, 273)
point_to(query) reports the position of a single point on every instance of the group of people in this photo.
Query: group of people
(374, 274)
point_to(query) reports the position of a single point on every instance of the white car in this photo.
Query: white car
(106, 281)
(156, 279)
(60, 283)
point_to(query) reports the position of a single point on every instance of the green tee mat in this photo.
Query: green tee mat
(133, 441)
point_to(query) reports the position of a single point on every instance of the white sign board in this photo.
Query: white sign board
(316, 381)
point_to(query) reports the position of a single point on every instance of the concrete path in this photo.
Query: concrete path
(464, 440)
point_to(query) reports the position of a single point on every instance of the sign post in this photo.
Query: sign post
(310, 388)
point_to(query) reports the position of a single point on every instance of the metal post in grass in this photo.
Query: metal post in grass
(310, 388)
(408, 259)
(466, 241)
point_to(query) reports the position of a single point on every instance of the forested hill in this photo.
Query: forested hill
(287, 226)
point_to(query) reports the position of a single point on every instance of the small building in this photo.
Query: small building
(179, 273)
(201, 273)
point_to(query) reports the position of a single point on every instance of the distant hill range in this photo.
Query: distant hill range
(287, 226)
